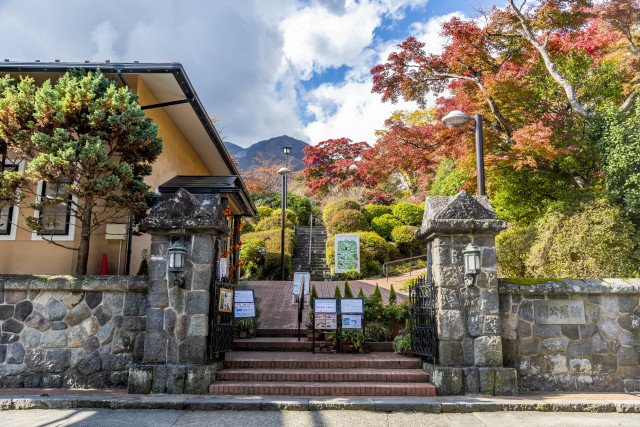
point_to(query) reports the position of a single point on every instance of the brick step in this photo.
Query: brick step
(325, 375)
(307, 360)
(323, 389)
(276, 332)
(273, 344)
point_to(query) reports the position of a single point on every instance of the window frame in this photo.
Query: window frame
(69, 233)
(14, 209)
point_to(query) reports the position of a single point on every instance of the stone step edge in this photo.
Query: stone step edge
(323, 389)
(318, 364)
(324, 375)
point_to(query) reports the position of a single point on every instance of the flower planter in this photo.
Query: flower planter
(318, 336)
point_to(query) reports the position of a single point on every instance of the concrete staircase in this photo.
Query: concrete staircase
(300, 261)
(286, 367)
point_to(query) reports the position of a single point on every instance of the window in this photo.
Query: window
(9, 214)
(55, 218)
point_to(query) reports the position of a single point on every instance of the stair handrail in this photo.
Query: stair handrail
(310, 239)
(385, 266)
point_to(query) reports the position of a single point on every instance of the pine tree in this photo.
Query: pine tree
(314, 293)
(88, 139)
(360, 294)
(347, 290)
(377, 292)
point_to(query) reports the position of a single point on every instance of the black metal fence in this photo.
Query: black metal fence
(221, 324)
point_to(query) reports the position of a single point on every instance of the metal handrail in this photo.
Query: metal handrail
(386, 264)
(310, 238)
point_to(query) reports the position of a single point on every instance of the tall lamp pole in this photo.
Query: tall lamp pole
(458, 119)
(283, 172)
(286, 150)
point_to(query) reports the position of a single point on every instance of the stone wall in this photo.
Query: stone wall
(572, 335)
(70, 331)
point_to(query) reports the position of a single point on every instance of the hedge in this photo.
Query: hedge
(408, 213)
(346, 221)
(338, 205)
(263, 212)
(266, 267)
(374, 211)
(273, 223)
(384, 225)
(403, 236)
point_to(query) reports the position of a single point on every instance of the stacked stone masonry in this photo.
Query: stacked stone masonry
(572, 335)
(70, 331)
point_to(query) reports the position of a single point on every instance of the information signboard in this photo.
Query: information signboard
(351, 321)
(326, 320)
(226, 300)
(245, 303)
(352, 305)
(347, 249)
(224, 262)
(325, 305)
(297, 282)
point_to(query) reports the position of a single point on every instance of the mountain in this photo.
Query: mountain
(270, 148)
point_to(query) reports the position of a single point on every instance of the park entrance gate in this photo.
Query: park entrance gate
(423, 314)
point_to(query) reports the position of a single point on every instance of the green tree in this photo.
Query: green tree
(336, 293)
(361, 293)
(87, 138)
(347, 290)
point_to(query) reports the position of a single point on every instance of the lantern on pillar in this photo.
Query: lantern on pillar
(177, 254)
(471, 263)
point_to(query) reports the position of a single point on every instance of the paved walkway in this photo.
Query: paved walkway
(276, 297)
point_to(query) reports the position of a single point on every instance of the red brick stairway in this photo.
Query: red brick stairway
(303, 374)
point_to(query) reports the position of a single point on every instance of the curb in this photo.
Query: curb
(427, 405)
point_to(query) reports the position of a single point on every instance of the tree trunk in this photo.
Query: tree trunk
(83, 249)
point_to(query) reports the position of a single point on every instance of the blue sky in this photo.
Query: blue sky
(263, 67)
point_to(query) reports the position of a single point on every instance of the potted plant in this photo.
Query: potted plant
(244, 327)
(353, 340)
(310, 334)
(402, 343)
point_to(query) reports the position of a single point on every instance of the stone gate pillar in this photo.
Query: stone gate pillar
(469, 343)
(177, 325)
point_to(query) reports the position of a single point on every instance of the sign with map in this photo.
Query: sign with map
(347, 252)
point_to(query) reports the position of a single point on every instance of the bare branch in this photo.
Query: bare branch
(629, 101)
(569, 89)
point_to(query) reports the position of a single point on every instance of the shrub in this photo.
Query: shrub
(143, 270)
(338, 205)
(393, 297)
(384, 225)
(314, 293)
(348, 275)
(289, 215)
(374, 211)
(408, 245)
(584, 239)
(248, 227)
(448, 179)
(300, 205)
(336, 293)
(377, 332)
(512, 249)
(273, 223)
(263, 212)
(347, 221)
(347, 289)
(267, 266)
(361, 293)
(377, 293)
(408, 213)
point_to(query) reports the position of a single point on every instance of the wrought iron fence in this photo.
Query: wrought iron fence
(221, 324)
(422, 317)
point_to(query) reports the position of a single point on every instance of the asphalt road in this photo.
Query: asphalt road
(157, 418)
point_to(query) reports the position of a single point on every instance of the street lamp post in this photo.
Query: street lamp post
(457, 119)
(283, 172)
(286, 150)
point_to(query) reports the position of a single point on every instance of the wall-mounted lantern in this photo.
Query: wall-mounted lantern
(471, 263)
(177, 254)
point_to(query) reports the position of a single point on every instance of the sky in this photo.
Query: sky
(264, 68)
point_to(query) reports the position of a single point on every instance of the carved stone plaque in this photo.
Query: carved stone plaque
(559, 312)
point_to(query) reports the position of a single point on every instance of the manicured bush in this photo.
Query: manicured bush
(263, 212)
(408, 245)
(298, 204)
(377, 332)
(248, 227)
(373, 211)
(274, 222)
(266, 266)
(384, 225)
(289, 215)
(314, 293)
(348, 275)
(346, 221)
(336, 293)
(408, 213)
(585, 239)
(361, 293)
(347, 289)
(338, 205)
(393, 297)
